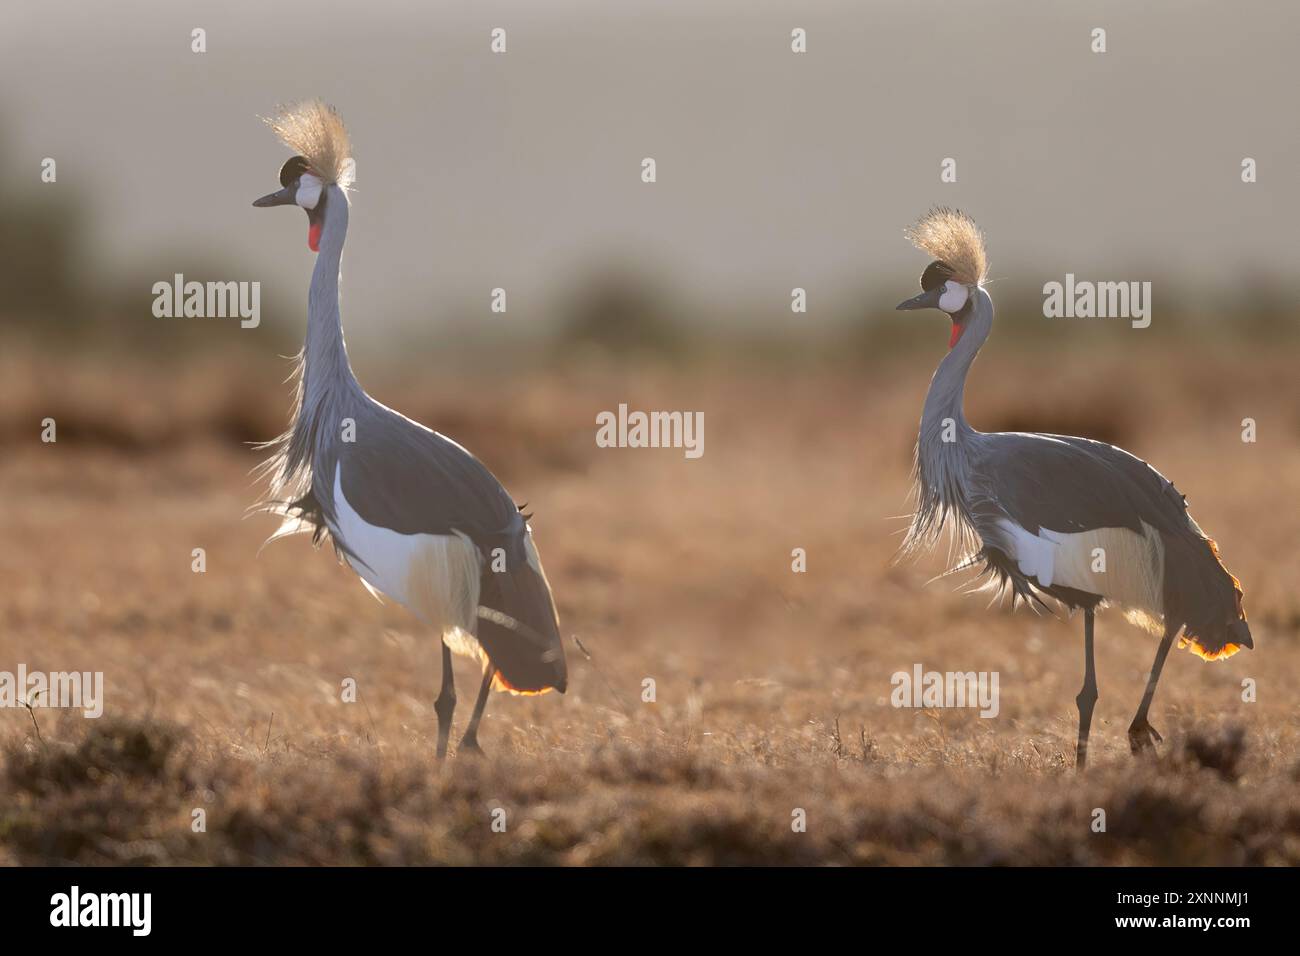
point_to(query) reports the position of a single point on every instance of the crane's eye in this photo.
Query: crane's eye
(308, 194)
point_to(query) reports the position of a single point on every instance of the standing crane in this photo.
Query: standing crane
(414, 514)
(1031, 510)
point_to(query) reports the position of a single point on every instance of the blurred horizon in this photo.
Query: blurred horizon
(775, 170)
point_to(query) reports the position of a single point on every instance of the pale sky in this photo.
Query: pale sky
(774, 169)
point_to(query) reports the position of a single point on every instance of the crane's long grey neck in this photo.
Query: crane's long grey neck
(326, 369)
(944, 401)
(303, 464)
(943, 448)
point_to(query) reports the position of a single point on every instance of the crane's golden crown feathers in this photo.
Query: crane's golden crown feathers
(953, 238)
(315, 131)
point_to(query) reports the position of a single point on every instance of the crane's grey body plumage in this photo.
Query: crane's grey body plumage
(414, 514)
(975, 483)
(1080, 521)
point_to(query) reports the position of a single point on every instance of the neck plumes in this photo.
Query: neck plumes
(943, 446)
(327, 391)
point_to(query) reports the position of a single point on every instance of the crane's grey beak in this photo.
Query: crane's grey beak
(926, 300)
(283, 197)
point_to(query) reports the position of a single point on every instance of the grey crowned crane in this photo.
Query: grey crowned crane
(414, 514)
(1030, 510)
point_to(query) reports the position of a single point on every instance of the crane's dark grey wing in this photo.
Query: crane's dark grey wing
(401, 476)
(1069, 485)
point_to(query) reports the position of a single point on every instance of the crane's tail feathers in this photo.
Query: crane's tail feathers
(1217, 644)
(512, 664)
(519, 631)
(1216, 653)
(1204, 598)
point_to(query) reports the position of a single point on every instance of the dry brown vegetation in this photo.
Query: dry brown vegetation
(223, 688)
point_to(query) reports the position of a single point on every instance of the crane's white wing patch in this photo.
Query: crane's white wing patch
(1121, 566)
(435, 576)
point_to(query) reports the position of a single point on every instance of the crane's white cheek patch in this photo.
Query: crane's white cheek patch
(435, 576)
(308, 194)
(1122, 566)
(954, 297)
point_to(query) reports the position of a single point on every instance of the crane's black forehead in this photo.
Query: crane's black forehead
(935, 275)
(293, 169)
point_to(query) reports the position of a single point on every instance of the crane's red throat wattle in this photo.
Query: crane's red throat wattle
(957, 329)
(313, 239)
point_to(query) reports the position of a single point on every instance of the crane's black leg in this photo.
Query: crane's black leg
(1087, 694)
(445, 705)
(1141, 734)
(469, 742)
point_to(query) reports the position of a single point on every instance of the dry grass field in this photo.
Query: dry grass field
(772, 688)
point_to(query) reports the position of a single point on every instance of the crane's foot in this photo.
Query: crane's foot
(1142, 736)
(469, 746)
